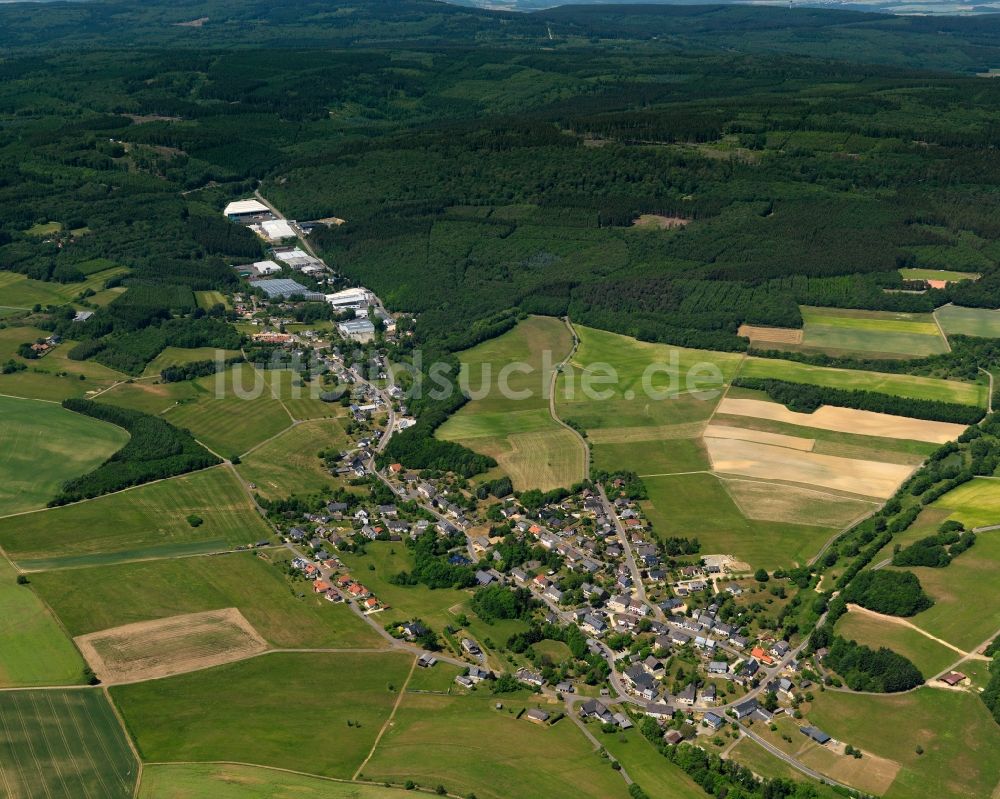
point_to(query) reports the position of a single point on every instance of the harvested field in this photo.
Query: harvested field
(760, 437)
(782, 503)
(151, 649)
(765, 461)
(771, 335)
(847, 420)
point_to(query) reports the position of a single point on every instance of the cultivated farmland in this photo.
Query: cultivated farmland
(901, 385)
(34, 650)
(528, 444)
(42, 445)
(64, 743)
(144, 522)
(252, 716)
(153, 649)
(982, 322)
(870, 333)
(97, 598)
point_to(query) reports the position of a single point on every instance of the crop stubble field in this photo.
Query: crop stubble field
(153, 649)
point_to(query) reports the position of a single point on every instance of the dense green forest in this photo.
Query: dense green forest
(486, 169)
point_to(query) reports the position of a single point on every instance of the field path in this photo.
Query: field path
(941, 330)
(388, 721)
(552, 397)
(904, 623)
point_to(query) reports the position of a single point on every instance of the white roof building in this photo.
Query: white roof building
(277, 229)
(350, 298)
(244, 207)
(266, 267)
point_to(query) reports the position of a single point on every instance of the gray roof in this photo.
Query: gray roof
(280, 287)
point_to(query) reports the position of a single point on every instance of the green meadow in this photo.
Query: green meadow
(42, 445)
(289, 710)
(529, 445)
(926, 654)
(465, 744)
(35, 649)
(148, 521)
(100, 597)
(901, 385)
(982, 322)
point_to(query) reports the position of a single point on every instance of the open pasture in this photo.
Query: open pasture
(975, 503)
(463, 743)
(959, 739)
(508, 418)
(646, 766)
(97, 598)
(207, 299)
(35, 650)
(148, 521)
(982, 322)
(698, 505)
(966, 595)
(837, 330)
(901, 385)
(178, 356)
(234, 411)
(926, 654)
(252, 711)
(218, 781)
(290, 463)
(64, 743)
(178, 644)
(846, 420)
(42, 445)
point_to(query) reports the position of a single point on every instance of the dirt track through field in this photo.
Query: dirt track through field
(905, 623)
(847, 420)
(152, 649)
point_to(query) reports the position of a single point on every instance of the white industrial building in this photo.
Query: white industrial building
(244, 209)
(350, 298)
(361, 330)
(266, 267)
(277, 229)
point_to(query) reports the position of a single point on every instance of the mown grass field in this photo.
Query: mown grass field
(966, 595)
(927, 655)
(98, 598)
(901, 385)
(289, 464)
(35, 649)
(656, 775)
(698, 506)
(301, 399)
(234, 412)
(837, 330)
(288, 710)
(960, 741)
(937, 274)
(210, 781)
(178, 356)
(149, 521)
(208, 299)
(529, 445)
(975, 504)
(463, 743)
(42, 445)
(981, 322)
(63, 744)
